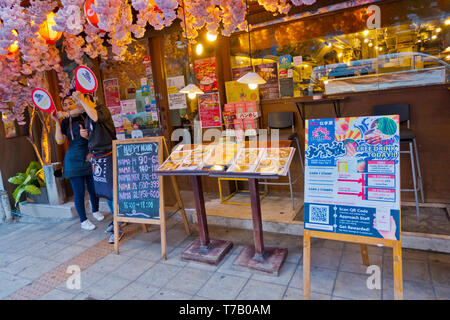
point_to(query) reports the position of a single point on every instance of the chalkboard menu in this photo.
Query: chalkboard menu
(136, 186)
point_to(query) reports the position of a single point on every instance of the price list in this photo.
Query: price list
(137, 184)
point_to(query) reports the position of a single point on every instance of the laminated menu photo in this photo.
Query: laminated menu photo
(175, 160)
(275, 161)
(246, 160)
(188, 159)
(222, 155)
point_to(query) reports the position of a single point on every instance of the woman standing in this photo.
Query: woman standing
(76, 168)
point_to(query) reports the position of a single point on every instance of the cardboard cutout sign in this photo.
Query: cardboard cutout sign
(42, 100)
(85, 80)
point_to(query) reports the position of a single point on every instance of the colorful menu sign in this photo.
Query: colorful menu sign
(269, 72)
(352, 176)
(209, 110)
(136, 186)
(205, 74)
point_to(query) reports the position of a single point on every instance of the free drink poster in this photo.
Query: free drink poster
(352, 176)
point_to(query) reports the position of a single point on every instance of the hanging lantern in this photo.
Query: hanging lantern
(15, 46)
(91, 15)
(46, 30)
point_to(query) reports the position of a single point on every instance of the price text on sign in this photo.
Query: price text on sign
(137, 184)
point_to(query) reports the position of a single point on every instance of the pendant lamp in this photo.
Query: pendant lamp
(191, 89)
(251, 78)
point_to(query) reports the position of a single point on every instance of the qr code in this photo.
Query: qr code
(319, 214)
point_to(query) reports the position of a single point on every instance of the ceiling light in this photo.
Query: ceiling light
(211, 36)
(199, 49)
(192, 90)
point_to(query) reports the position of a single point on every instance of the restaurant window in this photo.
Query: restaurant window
(129, 91)
(337, 53)
(179, 73)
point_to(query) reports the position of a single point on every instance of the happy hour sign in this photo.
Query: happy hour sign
(137, 184)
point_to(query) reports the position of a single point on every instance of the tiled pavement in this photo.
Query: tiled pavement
(34, 259)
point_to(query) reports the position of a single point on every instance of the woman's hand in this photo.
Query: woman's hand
(84, 132)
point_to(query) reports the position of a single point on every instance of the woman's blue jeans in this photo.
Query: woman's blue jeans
(78, 184)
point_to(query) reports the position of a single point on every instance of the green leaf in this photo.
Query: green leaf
(32, 189)
(17, 179)
(34, 165)
(17, 193)
(41, 182)
(27, 180)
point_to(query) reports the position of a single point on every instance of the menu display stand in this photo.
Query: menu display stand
(212, 251)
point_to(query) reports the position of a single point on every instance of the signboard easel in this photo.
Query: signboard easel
(138, 192)
(352, 187)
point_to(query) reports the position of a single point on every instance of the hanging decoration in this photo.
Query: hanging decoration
(46, 30)
(30, 29)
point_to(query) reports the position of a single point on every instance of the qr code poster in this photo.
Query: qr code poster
(352, 176)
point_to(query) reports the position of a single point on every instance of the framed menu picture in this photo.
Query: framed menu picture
(205, 74)
(209, 110)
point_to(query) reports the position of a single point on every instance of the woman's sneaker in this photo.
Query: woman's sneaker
(110, 228)
(111, 237)
(98, 216)
(87, 225)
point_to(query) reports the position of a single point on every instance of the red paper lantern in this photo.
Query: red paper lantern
(46, 31)
(90, 14)
(15, 46)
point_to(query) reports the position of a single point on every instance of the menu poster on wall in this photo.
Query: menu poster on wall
(205, 74)
(269, 72)
(239, 72)
(112, 95)
(286, 87)
(209, 110)
(176, 100)
(239, 92)
(128, 106)
(352, 176)
(284, 63)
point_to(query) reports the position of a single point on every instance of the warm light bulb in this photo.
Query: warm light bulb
(366, 40)
(191, 95)
(211, 36)
(438, 30)
(434, 37)
(340, 54)
(253, 86)
(370, 44)
(366, 32)
(447, 22)
(199, 49)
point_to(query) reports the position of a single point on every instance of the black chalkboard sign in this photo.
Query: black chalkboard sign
(137, 189)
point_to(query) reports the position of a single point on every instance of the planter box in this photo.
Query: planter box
(38, 198)
(55, 188)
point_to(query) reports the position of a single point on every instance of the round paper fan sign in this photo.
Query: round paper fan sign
(85, 80)
(42, 100)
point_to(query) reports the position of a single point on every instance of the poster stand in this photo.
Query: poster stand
(144, 221)
(364, 241)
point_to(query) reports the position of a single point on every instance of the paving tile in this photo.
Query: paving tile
(136, 291)
(159, 275)
(57, 294)
(412, 269)
(67, 253)
(189, 280)
(440, 272)
(152, 252)
(294, 254)
(297, 294)
(88, 278)
(50, 250)
(352, 262)
(412, 254)
(199, 298)
(23, 263)
(207, 267)
(228, 267)
(322, 280)
(8, 258)
(284, 277)
(222, 287)
(38, 269)
(107, 287)
(412, 290)
(153, 235)
(132, 268)
(174, 258)
(354, 286)
(442, 293)
(325, 258)
(10, 284)
(175, 236)
(168, 294)
(259, 290)
(333, 244)
(109, 263)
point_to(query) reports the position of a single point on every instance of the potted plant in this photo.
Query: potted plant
(32, 182)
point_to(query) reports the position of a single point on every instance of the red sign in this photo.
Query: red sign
(146, 60)
(91, 15)
(85, 80)
(43, 100)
